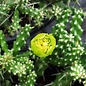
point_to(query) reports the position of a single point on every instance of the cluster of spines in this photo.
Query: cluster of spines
(53, 11)
(21, 66)
(6, 59)
(78, 71)
(21, 38)
(25, 61)
(30, 79)
(57, 11)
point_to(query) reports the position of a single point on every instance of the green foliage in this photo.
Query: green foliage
(15, 23)
(3, 42)
(69, 48)
(13, 10)
(63, 79)
(78, 71)
(4, 9)
(66, 51)
(21, 38)
(13, 63)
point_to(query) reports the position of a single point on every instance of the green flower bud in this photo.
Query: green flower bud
(43, 44)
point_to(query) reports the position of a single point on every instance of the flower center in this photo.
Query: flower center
(43, 44)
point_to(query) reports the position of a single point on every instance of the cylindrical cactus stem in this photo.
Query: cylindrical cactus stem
(65, 16)
(21, 38)
(29, 77)
(3, 43)
(15, 23)
(68, 47)
(28, 80)
(75, 24)
(59, 28)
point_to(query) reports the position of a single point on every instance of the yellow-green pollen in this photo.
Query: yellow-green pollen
(43, 44)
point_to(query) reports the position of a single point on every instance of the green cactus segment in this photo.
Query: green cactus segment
(56, 10)
(28, 64)
(67, 53)
(4, 9)
(28, 80)
(76, 22)
(69, 49)
(31, 79)
(21, 38)
(3, 43)
(83, 57)
(26, 75)
(58, 30)
(78, 71)
(15, 23)
(43, 44)
(65, 16)
(20, 66)
(34, 13)
(6, 59)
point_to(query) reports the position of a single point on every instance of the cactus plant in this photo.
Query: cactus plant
(68, 50)
(14, 64)
(61, 48)
(13, 11)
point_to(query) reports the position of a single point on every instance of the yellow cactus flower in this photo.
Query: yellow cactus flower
(43, 44)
